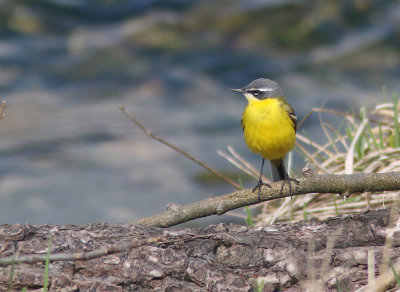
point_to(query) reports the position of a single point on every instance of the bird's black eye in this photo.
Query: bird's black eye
(256, 93)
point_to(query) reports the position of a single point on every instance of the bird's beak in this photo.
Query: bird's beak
(238, 90)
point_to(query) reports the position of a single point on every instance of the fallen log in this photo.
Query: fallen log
(324, 255)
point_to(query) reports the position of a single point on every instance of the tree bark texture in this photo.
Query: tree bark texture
(223, 257)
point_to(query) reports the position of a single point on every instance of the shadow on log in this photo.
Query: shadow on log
(288, 257)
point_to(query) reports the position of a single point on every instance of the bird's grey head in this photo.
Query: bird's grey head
(262, 88)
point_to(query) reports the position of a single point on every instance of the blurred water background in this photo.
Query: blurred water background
(68, 155)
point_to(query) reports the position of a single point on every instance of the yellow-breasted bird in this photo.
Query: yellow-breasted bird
(269, 126)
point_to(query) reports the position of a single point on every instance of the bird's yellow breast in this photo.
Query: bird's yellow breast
(268, 129)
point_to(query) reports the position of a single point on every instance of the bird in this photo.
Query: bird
(269, 125)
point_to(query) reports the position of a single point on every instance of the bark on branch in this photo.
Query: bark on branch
(309, 183)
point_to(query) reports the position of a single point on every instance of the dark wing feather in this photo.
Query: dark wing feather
(292, 115)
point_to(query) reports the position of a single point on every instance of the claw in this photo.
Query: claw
(258, 186)
(288, 179)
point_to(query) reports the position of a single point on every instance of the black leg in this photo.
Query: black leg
(288, 179)
(260, 183)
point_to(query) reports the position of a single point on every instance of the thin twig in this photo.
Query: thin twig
(2, 108)
(150, 134)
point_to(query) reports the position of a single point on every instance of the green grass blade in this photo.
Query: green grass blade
(46, 266)
(249, 219)
(396, 122)
(305, 216)
(291, 211)
(359, 146)
(391, 140)
(336, 205)
(259, 285)
(364, 143)
(381, 144)
(342, 124)
(396, 276)
(349, 134)
(373, 138)
(338, 286)
(240, 182)
(11, 280)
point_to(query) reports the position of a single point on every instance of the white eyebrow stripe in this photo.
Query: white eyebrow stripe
(266, 89)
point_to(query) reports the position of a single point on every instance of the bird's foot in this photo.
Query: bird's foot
(288, 179)
(258, 186)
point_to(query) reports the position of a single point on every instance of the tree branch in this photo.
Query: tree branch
(344, 185)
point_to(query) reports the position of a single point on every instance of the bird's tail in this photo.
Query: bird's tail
(278, 170)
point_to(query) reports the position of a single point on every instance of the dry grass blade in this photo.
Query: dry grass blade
(350, 154)
(235, 162)
(339, 138)
(254, 171)
(319, 150)
(327, 135)
(322, 110)
(238, 161)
